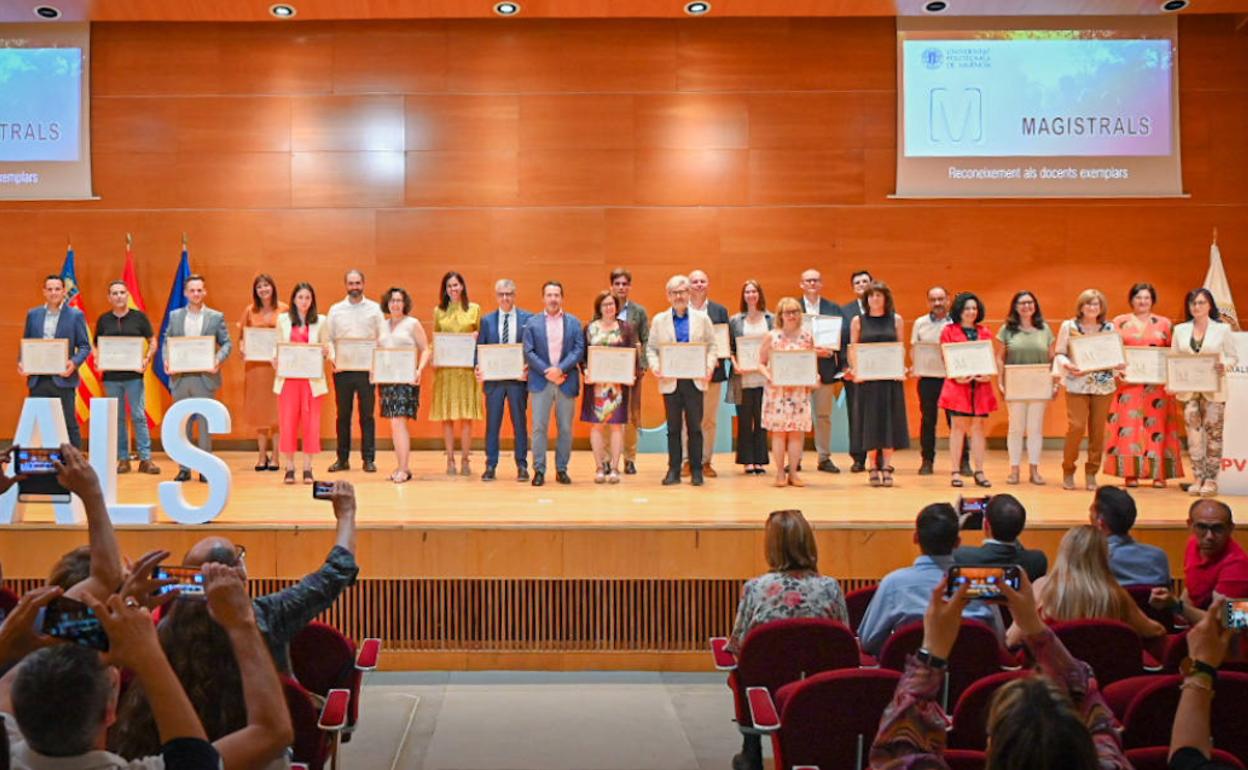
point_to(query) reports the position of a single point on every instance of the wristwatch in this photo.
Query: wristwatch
(926, 657)
(1191, 667)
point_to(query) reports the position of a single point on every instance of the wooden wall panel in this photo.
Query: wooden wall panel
(562, 148)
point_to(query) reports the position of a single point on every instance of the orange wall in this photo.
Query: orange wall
(535, 149)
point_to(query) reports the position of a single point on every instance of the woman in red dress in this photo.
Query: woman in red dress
(968, 400)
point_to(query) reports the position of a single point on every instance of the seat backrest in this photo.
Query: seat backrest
(774, 654)
(1158, 758)
(825, 718)
(1112, 648)
(856, 602)
(970, 715)
(322, 659)
(1176, 651)
(976, 654)
(8, 600)
(1151, 713)
(1140, 594)
(311, 744)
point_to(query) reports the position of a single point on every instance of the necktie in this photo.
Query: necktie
(506, 328)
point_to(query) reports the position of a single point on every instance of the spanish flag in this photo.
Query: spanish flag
(88, 378)
(152, 389)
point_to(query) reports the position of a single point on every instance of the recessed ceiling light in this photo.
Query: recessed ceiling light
(506, 8)
(282, 11)
(47, 12)
(936, 6)
(1174, 5)
(697, 8)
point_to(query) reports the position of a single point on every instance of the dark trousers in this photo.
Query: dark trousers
(929, 395)
(683, 407)
(347, 387)
(856, 452)
(751, 436)
(46, 388)
(515, 396)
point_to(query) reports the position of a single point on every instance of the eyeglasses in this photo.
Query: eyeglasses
(240, 551)
(1201, 528)
(678, 292)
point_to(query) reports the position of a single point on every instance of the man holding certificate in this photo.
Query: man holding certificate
(191, 373)
(681, 351)
(55, 319)
(504, 327)
(553, 347)
(930, 371)
(823, 396)
(699, 288)
(123, 358)
(355, 317)
(635, 316)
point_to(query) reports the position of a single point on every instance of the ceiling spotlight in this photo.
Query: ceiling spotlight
(1174, 5)
(47, 12)
(282, 11)
(697, 8)
(935, 6)
(506, 8)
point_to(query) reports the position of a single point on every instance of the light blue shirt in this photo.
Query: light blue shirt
(902, 597)
(1137, 563)
(50, 320)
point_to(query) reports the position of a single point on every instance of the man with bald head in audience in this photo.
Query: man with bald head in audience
(1212, 564)
(282, 615)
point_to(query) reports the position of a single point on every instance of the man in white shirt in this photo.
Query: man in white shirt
(699, 289)
(926, 331)
(355, 317)
(823, 397)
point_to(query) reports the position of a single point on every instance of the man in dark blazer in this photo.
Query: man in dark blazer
(505, 326)
(554, 379)
(831, 362)
(699, 288)
(1004, 520)
(55, 319)
(850, 310)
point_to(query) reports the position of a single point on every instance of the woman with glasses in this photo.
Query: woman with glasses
(968, 400)
(1204, 333)
(1025, 340)
(879, 415)
(786, 408)
(1088, 394)
(745, 389)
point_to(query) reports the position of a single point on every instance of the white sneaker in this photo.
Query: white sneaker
(1209, 488)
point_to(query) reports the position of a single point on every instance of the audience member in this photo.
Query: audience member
(1113, 512)
(1190, 741)
(282, 615)
(1055, 718)
(903, 594)
(1004, 519)
(1081, 586)
(96, 568)
(793, 588)
(1213, 562)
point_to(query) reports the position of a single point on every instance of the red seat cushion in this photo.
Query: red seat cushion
(334, 712)
(370, 651)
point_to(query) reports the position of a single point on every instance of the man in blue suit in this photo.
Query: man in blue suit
(554, 345)
(56, 320)
(505, 326)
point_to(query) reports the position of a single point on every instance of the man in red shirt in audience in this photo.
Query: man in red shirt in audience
(1213, 562)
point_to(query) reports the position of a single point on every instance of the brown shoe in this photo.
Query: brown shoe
(795, 480)
(123, 466)
(149, 467)
(686, 471)
(708, 471)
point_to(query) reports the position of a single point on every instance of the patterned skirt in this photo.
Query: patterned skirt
(399, 400)
(1142, 437)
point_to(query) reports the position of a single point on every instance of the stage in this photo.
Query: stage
(461, 573)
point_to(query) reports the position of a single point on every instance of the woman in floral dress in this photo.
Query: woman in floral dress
(786, 409)
(605, 404)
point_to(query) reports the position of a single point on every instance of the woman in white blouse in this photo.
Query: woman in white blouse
(1088, 394)
(400, 401)
(1203, 413)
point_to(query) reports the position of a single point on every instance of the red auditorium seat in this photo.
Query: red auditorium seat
(1158, 758)
(1112, 648)
(977, 654)
(322, 659)
(970, 714)
(8, 600)
(1151, 713)
(1140, 594)
(856, 602)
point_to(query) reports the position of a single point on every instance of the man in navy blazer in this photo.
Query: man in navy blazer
(57, 320)
(554, 344)
(505, 326)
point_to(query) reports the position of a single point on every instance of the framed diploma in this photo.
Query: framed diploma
(747, 352)
(1097, 352)
(723, 344)
(613, 364)
(683, 361)
(969, 359)
(501, 362)
(927, 359)
(45, 356)
(119, 354)
(298, 361)
(259, 343)
(879, 361)
(826, 329)
(394, 366)
(794, 368)
(454, 351)
(1030, 382)
(1193, 373)
(188, 355)
(353, 354)
(1145, 365)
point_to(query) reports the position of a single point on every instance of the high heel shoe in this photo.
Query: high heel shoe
(289, 478)
(465, 469)
(981, 480)
(307, 475)
(795, 480)
(887, 471)
(955, 480)
(782, 478)
(451, 470)
(263, 465)
(873, 477)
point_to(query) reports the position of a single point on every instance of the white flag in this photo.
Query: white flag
(1216, 283)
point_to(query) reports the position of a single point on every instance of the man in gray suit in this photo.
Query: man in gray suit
(196, 320)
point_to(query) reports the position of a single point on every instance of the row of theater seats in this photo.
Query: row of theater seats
(794, 678)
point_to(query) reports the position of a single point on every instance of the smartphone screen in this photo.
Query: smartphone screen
(985, 582)
(190, 580)
(72, 621)
(971, 512)
(322, 490)
(1237, 614)
(36, 461)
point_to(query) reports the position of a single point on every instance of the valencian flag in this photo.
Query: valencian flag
(88, 378)
(151, 385)
(1219, 286)
(177, 299)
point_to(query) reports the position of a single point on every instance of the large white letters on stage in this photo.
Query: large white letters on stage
(103, 456)
(1233, 478)
(42, 424)
(183, 452)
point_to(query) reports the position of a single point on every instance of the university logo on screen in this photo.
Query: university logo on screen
(956, 116)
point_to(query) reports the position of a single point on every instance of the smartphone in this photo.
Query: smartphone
(971, 511)
(35, 461)
(322, 490)
(985, 582)
(190, 580)
(72, 621)
(1236, 614)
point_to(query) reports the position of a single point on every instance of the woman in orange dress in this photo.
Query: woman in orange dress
(259, 401)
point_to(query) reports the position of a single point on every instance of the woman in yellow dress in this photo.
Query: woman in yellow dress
(456, 393)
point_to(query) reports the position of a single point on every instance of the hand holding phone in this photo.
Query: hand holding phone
(322, 490)
(183, 581)
(971, 512)
(72, 621)
(984, 582)
(1235, 616)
